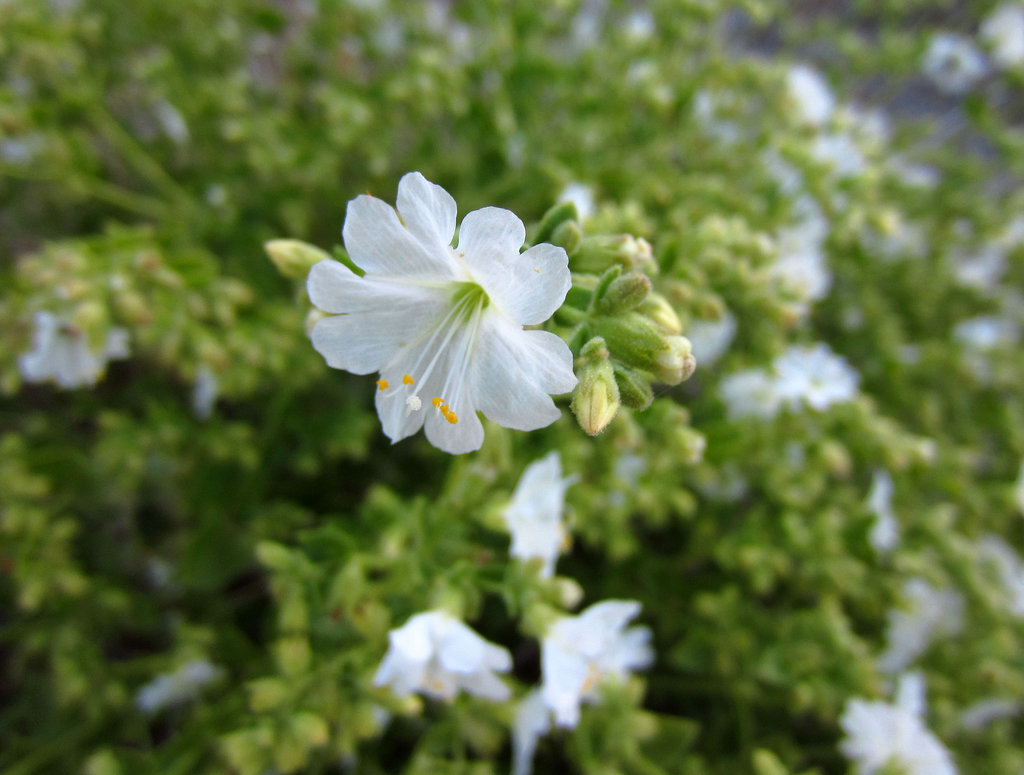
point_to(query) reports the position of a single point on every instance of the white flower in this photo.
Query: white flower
(579, 653)
(750, 393)
(953, 63)
(436, 654)
(444, 326)
(986, 332)
(182, 685)
(1009, 569)
(581, 195)
(709, 339)
(534, 516)
(982, 269)
(532, 722)
(61, 353)
(816, 375)
(204, 393)
(880, 734)
(927, 612)
(885, 533)
(839, 151)
(810, 94)
(1003, 31)
(801, 265)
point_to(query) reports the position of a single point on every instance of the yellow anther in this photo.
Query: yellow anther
(450, 417)
(437, 402)
(407, 380)
(382, 384)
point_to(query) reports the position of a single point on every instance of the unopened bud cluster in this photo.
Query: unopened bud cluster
(626, 335)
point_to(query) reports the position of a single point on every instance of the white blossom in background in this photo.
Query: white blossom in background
(444, 325)
(579, 653)
(581, 195)
(982, 268)
(750, 393)
(61, 353)
(181, 686)
(880, 734)
(801, 265)
(987, 332)
(1009, 570)
(640, 25)
(885, 533)
(709, 339)
(1003, 33)
(810, 94)
(204, 392)
(437, 655)
(984, 712)
(912, 173)
(534, 516)
(532, 722)
(926, 614)
(839, 151)
(171, 122)
(707, 109)
(815, 375)
(953, 63)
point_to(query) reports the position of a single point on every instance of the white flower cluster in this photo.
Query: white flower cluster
(802, 374)
(61, 353)
(437, 655)
(927, 612)
(953, 63)
(879, 734)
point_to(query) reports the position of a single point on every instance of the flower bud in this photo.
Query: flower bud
(568, 235)
(675, 363)
(595, 254)
(657, 308)
(637, 341)
(624, 293)
(634, 388)
(557, 216)
(595, 401)
(294, 258)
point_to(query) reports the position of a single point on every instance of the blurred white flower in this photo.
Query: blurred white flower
(205, 392)
(436, 654)
(880, 734)
(60, 352)
(925, 614)
(707, 109)
(982, 269)
(1009, 570)
(810, 94)
(579, 653)
(172, 122)
(1003, 32)
(750, 393)
(534, 516)
(801, 266)
(986, 332)
(953, 63)
(532, 722)
(443, 325)
(885, 533)
(182, 685)
(840, 152)
(709, 339)
(581, 195)
(815, 375)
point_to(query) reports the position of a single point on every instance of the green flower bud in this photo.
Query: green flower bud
(634, 388)
(657, 308)
(568, 235)
(558, 215)
(294, 258)
(596, 254)
(624, 293)
(595, 401)
(638, 341)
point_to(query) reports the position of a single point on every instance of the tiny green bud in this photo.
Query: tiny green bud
(568, 235)
(595, 401)
(597, 253)
(634, 388)
(657, 308)
(637, 341)
(294, 258)
(558, 215)
(624, 293)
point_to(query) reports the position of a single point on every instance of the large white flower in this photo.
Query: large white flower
(443, 325)
(579, 653)
(61, 353)
(534, 516)
(436, 654)
(880, 734)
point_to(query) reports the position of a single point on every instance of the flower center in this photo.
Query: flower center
(468, 301)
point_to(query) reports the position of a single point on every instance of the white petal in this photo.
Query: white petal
(378, 243)
(396, 419)
(489, 239)
(426, 209)
(515, 371)
(461, 650)
(334, 288)
(467, 435)
(533, 720)
(486, 685)
(413, 640)
(564, 676)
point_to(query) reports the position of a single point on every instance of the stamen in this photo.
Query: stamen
(451, 417)
(382, 384)
(407, 380)
(437, 402)
(414, 403)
